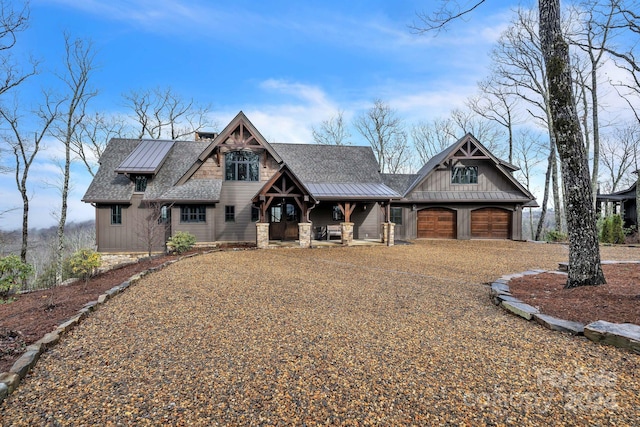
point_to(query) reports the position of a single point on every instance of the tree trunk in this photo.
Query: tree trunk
(545, 197)
(558, 208)
(63, 214)
(584, 252)
(638, 202)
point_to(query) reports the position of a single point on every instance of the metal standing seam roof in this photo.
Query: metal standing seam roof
(147, 158)
(497, 196)
(351, 190)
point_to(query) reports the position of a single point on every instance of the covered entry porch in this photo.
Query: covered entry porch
(312, 214)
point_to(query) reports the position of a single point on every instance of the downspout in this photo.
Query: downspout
(310, 209)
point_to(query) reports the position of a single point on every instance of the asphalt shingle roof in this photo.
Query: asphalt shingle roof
(313, 163)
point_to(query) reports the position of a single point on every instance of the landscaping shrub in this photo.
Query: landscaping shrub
(606, 235)
(12, 273)
(555, 236)
(612, 230)
(617, 230)
(47, 279)
(84, 263)
(181, 242)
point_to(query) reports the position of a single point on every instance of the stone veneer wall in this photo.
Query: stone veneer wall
(347, 233)
(304, 232)
(262, 235)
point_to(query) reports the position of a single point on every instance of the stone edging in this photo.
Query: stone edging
(623, 335)
(9, 381)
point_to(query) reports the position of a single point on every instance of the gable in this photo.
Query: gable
(495, 181)
(238, 135)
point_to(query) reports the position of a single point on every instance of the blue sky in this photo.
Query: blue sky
(288, 65)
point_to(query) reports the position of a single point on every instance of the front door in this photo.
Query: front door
(284, 218)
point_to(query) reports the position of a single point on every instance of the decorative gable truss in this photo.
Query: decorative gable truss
(284, 185)
(239, 135)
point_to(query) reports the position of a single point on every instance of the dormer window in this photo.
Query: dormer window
(242, 166)
(141, 183)
(464, 175)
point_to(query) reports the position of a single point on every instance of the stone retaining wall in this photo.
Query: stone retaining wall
(10, 380)
(623, 335)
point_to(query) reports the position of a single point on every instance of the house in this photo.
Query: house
(624, 203)
(236, 187)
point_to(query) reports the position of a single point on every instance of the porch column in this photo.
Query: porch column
(262, 235)
(304, 233)
(347, 233)
(385, 231)
(391, 233)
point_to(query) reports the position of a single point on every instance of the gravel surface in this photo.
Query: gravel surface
(352, 336)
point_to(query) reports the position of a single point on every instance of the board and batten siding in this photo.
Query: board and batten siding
(489, 179)
(128, 236)
(463, 211)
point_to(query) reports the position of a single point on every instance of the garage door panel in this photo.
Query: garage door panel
(437, 223)
(491, 223)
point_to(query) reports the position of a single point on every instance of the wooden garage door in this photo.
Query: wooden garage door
(491, 223)
(437, 223)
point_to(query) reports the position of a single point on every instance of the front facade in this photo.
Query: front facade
(237, 187)
(464, 192)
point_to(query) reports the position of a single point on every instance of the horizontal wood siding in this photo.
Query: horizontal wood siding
(238, 194)
(204, 231)
(366, 222)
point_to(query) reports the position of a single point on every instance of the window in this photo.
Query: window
(193, 213)
(337, 215)
(464, 175)
(141, 183)
(229, 213)
(163, 218)
(116, 214)
(242, 166)
(396, 216)
(255, 214)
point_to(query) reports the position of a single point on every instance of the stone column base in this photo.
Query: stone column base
(262, 235)
(347, 233)
(304, 232)
(391, 233)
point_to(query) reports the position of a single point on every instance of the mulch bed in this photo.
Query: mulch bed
(618, 301)
(32, 315)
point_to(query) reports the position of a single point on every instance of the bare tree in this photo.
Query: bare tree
(497, 104)
(152, 229)
(79, 67)
(618, 156)
(596, 19)
(383, 129)
(92, 137)
(12, 22)
(528, 154)
(518, 65)
(161, 113)
(25, 151)
(584, 252)
(332, 131)
(432, 137)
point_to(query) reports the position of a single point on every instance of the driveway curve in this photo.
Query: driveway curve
(404, 335)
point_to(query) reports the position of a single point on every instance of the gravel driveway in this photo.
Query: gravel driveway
(350, 336)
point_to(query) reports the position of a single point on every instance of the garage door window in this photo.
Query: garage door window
(464, 175)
